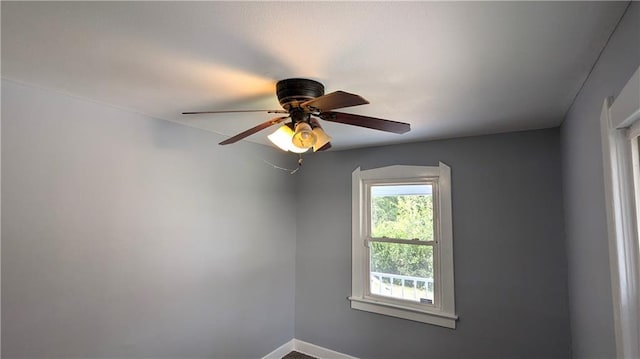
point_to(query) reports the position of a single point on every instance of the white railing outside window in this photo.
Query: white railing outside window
(378, 286)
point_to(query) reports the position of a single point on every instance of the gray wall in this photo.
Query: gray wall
(509, 252)
(585, 217)
(126, 236)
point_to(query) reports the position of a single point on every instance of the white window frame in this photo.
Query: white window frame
(620, 127)
(442, 312)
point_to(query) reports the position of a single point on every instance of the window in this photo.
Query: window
(620, 126)
(402, 243)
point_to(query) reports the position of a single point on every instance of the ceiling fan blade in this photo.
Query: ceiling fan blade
(365, 121)
(232, 111)
(325, 147)
(253, 130)
(331, 101)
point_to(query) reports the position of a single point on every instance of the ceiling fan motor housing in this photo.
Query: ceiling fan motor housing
(292, 92)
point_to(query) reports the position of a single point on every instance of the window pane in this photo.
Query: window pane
(402, 211)
(403, 271)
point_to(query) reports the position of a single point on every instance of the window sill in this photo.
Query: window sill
(447, 320)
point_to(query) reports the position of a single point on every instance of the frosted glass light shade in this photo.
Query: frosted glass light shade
(304, 136)
(282, 138)
(321, 138)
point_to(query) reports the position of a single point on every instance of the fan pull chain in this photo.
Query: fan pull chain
(286, 169)
(299, 164)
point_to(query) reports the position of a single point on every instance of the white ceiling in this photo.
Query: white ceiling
(450, 69)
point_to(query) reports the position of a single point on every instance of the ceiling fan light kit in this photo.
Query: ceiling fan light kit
(304, 101)
(282, 138)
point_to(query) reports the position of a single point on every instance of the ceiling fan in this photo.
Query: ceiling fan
(304, 102)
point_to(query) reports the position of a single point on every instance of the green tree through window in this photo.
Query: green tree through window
(407, 217)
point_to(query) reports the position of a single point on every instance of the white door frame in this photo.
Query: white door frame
(615, 121)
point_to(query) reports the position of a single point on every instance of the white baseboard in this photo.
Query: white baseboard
(306, 348)
(318, 351)
(281, 351)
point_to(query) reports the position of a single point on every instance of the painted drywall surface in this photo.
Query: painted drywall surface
(509, 252)
(590, 298)
(127, 237)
